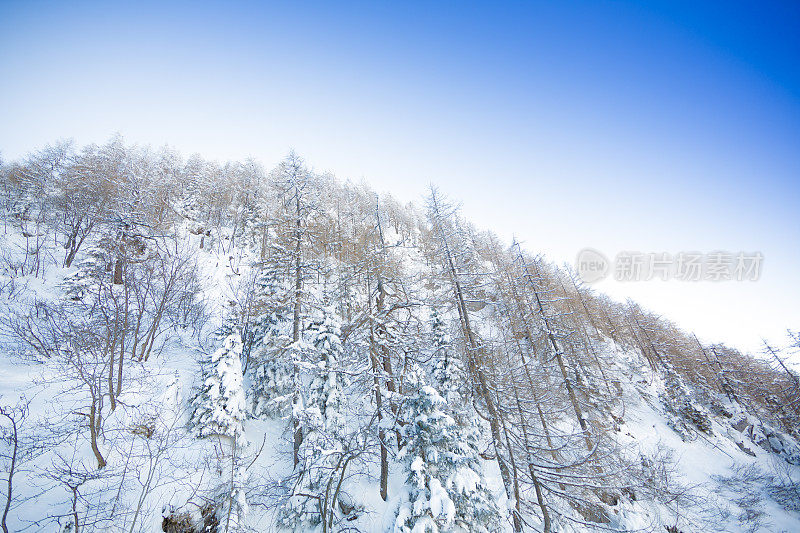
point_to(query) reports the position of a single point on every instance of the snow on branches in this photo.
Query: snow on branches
(219, 406)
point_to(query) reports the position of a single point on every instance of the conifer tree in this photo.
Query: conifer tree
(447, 369)
(219, 407)
(328, 344)
(447, 490)
(271, 374)
(322, 422)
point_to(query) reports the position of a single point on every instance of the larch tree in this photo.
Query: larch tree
(296, 189)
(445, 234)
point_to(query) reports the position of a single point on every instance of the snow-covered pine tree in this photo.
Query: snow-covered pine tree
(447, 369)
(327, 341)
(322, 422)
(445, 482)
(219, 406)
(271, 374)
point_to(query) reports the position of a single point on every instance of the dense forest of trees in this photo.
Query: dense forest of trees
(385, 340)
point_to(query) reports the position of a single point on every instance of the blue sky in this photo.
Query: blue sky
(614, 125)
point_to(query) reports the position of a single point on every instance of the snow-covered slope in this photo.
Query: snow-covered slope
(341, 363)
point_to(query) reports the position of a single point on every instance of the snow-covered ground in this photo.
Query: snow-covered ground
(718, 479)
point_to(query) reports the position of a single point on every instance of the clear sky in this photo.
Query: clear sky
(654, 126)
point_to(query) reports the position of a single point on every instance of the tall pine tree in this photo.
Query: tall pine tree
(271, 374)
(322, 422)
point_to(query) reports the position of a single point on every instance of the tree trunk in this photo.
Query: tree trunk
(93, 434)
(11, 468)
(118, 272)
(531, 469)
(558, 354)
(298, 293)
(376, 382)
(473, 350)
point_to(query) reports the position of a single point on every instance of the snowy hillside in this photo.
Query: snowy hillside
(190, 346)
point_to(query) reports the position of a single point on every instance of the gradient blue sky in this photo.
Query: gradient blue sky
(659, 126)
